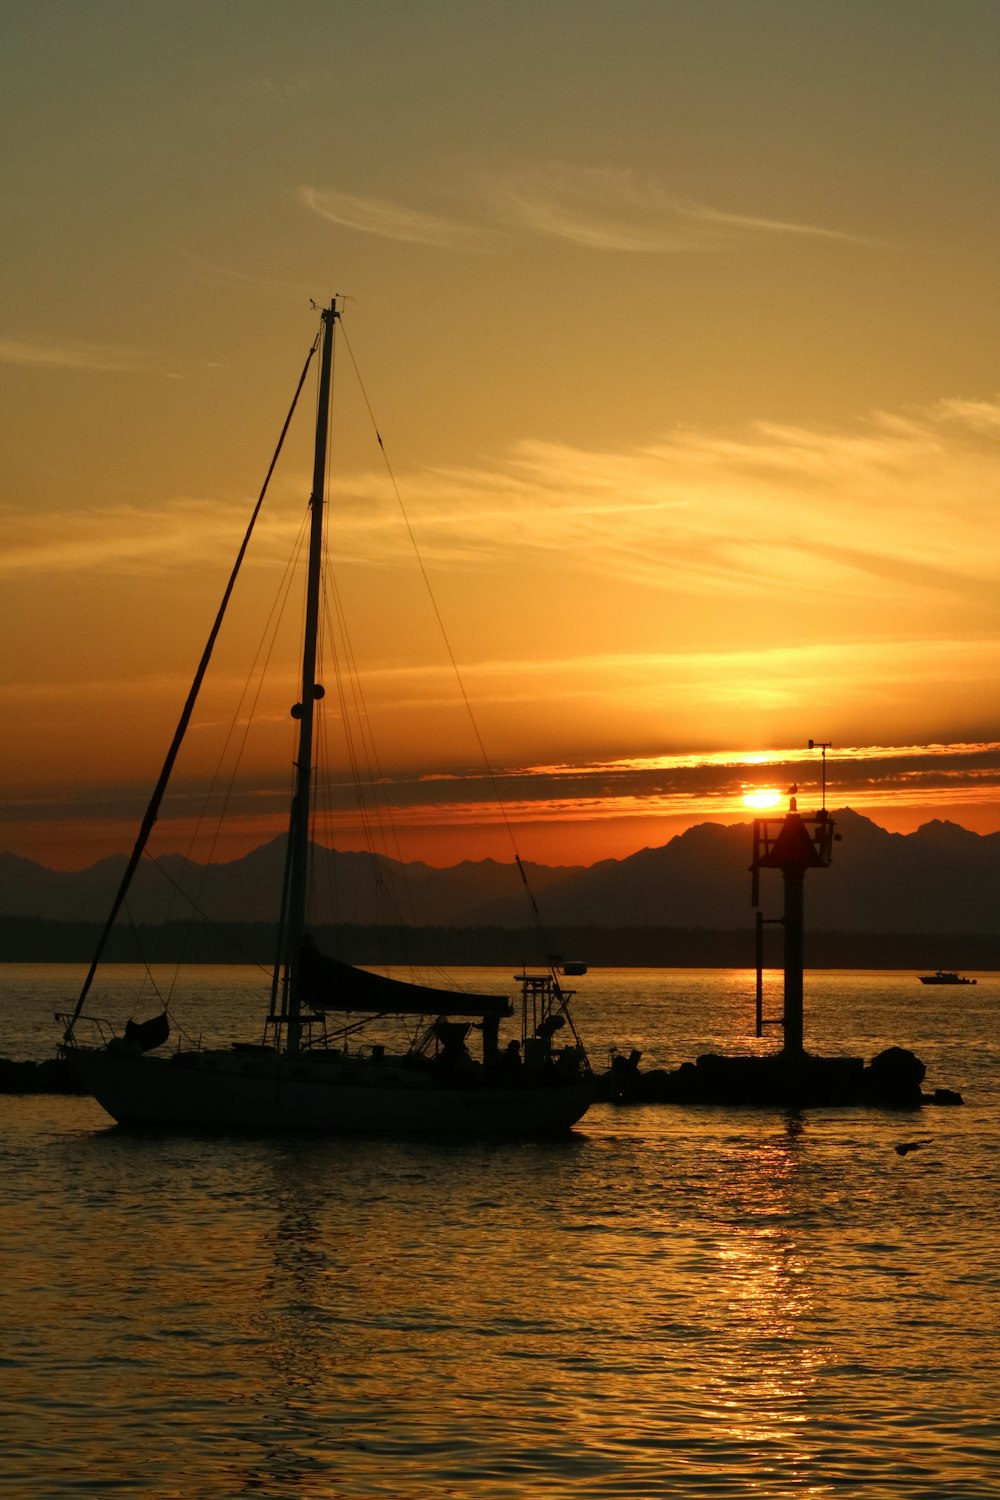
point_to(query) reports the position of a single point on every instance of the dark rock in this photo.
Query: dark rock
(893, 1078)
(53, 1076)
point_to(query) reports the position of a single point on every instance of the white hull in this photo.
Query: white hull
(234, 1091)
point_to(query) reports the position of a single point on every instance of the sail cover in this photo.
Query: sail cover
(328, 984)
(148, 1034)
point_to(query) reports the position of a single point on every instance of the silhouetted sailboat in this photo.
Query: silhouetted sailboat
(306, 1074)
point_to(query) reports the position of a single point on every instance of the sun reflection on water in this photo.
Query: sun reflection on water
(767, 1370)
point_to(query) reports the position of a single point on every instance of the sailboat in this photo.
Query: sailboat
(313, 1069)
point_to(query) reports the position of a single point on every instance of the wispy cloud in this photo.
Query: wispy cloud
(595, 208)
(241, 279)
(885, 679)
(392, 221)
(898, 507)
(133, 540)
(282, 88)
(605, 209)
(688, 589)
(905, 504)
(42, 353)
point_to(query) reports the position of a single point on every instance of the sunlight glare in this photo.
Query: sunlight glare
(762, 797)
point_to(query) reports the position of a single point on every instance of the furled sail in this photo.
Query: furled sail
(326, 983)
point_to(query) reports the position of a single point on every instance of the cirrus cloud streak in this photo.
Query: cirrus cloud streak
(390, 221)
(614, 210)
(593, 208)
(44, 354)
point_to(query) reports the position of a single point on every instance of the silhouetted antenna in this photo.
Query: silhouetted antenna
(824, 746)
(337, 297)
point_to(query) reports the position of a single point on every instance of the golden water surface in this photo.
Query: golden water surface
(673, 1301)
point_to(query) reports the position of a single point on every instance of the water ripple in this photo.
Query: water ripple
(689, 1302)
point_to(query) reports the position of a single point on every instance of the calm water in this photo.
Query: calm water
(690, 1302)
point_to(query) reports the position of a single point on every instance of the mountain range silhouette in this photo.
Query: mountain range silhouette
(942, 879)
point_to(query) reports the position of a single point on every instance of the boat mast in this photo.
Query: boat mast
(159, 791)
(298, 838)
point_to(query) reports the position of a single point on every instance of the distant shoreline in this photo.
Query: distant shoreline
(36, 940)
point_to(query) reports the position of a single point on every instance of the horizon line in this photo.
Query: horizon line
(744, 822)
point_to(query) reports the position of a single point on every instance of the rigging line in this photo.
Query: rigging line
(335, 635)
(372, 802)
(163, 998)
(209, 921)
(360, 747)
(444, 636)
(344, 680)
(153, 809)
(255, 679)
(374, 809)
(430, 594)
(353, 712)
(144, 961)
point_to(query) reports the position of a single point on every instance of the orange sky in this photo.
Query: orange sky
(679, 325)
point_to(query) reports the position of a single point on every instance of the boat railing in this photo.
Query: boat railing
(102, 1030)
(312, 1025)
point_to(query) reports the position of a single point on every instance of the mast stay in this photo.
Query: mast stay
(159, 791)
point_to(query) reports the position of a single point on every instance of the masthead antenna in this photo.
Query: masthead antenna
(824, 746)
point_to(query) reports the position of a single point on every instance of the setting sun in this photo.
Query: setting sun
(761, 798)
(620, 527)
